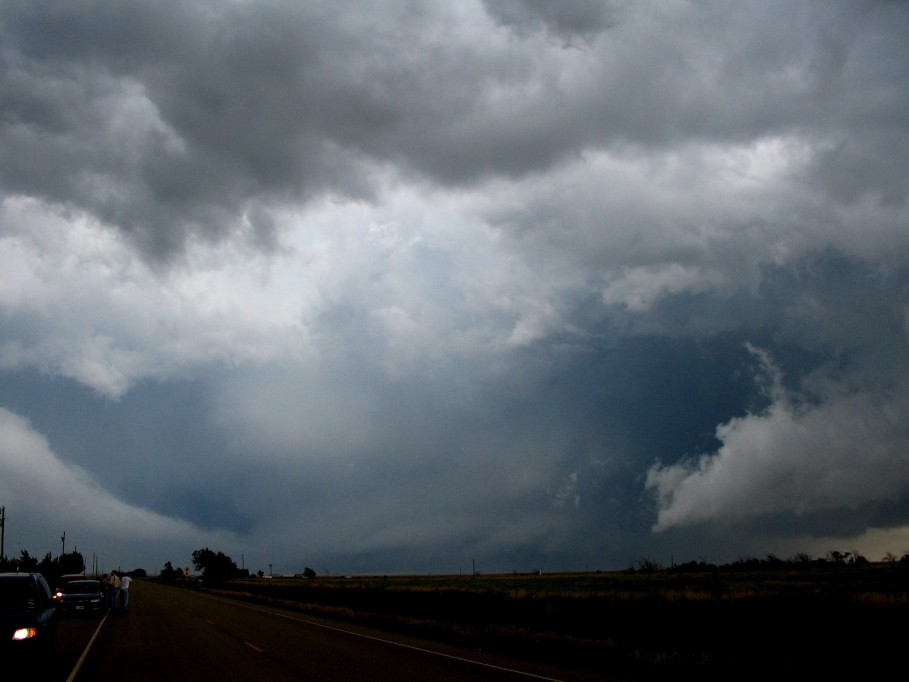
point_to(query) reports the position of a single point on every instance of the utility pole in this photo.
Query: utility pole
(2, 532)
(63, 541)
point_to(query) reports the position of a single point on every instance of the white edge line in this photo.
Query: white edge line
(254, 647)
(389, 641)
(72, 675)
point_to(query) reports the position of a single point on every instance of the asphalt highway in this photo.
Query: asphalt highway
(175, 634)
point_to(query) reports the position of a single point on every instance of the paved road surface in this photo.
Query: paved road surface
(173, 634)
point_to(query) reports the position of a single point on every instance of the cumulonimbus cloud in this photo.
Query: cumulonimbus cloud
(844, 451)
(44, 495)
(520, 237)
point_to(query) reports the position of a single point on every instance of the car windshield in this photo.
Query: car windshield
(17, 595)
(82, 586)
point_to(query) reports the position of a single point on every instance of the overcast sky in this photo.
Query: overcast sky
(401, 286)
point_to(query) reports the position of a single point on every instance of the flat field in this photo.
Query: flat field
(713, 622)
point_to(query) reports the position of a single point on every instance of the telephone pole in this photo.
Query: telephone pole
(2, 532)
(63, 541)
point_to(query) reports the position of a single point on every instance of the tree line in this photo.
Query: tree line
(51, 567)
(771, 562)
(216, 567)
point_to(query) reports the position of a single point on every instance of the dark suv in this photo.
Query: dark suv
(28, 614)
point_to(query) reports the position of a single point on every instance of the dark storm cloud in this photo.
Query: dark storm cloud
(518, 281)
(173, 118)
(567, 20)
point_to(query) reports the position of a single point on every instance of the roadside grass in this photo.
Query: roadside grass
(715, 624)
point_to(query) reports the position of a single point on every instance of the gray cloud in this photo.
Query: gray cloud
(190, 116)
(566, 20)
(399, 284)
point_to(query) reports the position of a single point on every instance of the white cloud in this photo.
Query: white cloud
(92, 311)
(841, 452)
(638, 288)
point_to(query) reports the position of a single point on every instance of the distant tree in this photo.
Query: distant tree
(773, 561)
(837, 557)
(216, 567)
(889, 558)
(73, 562)
(27, 564)
(746, 562)
(648, 565)
(169, 573)
(309, 573)
(693, 567)
(857, 558)
(49, 568)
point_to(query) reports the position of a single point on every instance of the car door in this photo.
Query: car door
(46, 612)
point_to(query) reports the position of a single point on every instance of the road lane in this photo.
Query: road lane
(174, 634)
(73, 634)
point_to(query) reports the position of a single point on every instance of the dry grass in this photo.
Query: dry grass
(725, 624)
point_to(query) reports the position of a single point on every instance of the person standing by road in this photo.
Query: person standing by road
(114, 590)
(124, 590)
(105, 588)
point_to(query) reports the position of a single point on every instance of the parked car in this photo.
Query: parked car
(63, 579)
(81, 597)
(28, 615)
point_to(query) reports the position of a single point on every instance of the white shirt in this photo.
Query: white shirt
(124, 582)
